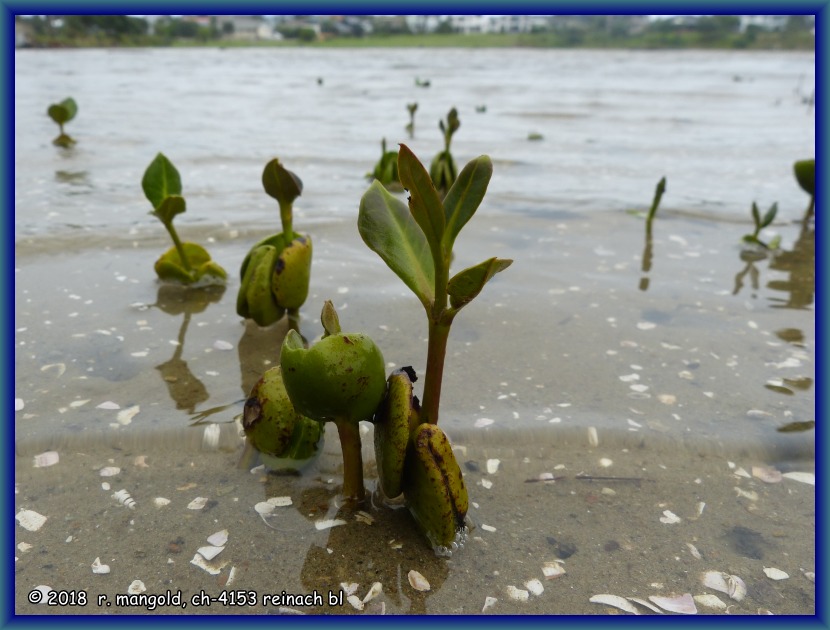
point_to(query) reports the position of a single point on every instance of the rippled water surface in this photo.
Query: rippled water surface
(674, 373)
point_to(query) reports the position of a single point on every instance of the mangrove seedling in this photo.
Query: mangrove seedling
(386, 170)
(416, 243)
(411, 108)
(62, 113)
(805, 175)
(648, 252)
(185, 262)
(760, 224)
(339, 379)
(443, 170)
(276, 271)
(286, 438)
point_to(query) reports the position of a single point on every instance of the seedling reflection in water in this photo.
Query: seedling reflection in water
(416, 242)
(648, 251)
(185, 262)
(276, 272)
(760, 224)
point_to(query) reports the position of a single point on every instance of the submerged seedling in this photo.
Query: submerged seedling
(411, 108)
(185, 262)
(648, 251)
(386, 170)
(443, 170)
(275, 273)
(62, 113)
(760, 224)
(416, 242)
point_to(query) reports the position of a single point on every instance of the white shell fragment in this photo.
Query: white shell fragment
(593, 437)
(418, 581)
(44, 590)
(108, 404)
(19, 404)
(328, 523)
(553, 570)
(125, 416)
(100, 569)
(266, 507)
(683, 604)
(31, 520)
(669, 518)
(767, 474)
(355, 601)
(219, 344)
(124, 498)
(492, 466)
(616, 601)
(732, 585)
(136, 587)
(109, 471)
(349, 588)
(23, 547)
(489, 602)
(535, 587)
(203, 564)
(803, 477)
(711, 601)
(161, 502)
(646, 604)
(209, 552)
(49, 458)
(218, 539)
(375, 590)
(518, 594)
(198, 503)
(483, 422)
(775, 574)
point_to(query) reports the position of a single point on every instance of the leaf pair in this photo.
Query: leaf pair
(417, 242)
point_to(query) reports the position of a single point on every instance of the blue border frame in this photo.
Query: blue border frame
(8, 10)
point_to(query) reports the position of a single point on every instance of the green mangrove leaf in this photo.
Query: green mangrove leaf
(395, 419)
(388, 228)
(64, 111)
(434, 486)
(161, 180)
(424, 202)
(280, 183)
(756, 215)
(805, 175)
(341, 377)
(467, 284)
(464, 198)
(168, 208)
(769, 217)
(71, 108)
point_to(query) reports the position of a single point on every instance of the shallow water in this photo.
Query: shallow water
(689, 371)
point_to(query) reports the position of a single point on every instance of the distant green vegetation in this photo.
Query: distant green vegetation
(714, 32)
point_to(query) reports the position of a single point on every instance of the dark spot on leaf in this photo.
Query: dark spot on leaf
(347, 340)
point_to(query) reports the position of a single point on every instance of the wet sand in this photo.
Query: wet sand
(688, 382)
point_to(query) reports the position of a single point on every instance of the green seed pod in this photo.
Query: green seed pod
(341, 376)
(255, 299)
(169, 266)
(394, 420)
(273, 425)
(292, 273)
(805, 175)
(434, 486)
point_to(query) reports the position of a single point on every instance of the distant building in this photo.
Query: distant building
(247, 27)
(765, 22)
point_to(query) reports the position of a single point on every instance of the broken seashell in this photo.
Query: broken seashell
(535, 587)
(670, 518)
(23, 547)
(328, 523)
(375, 590)
(109, 471)
(775, 574)
(710, 601)
(767, 474)
(646, 604)
(732, 585)
(492, 466)
(219, 344)
(49, 458)
(198, 503)
(203, 564)
(31, 520)
(489, 602)
(100, 569)
(483, 422)
(349, 588)
(125, 416)
(218, 539)
(418, 581)
(161, 501)
(593, 437)
(683, 604)
(209, 552)
(124, 498)
(136, 587)
(108, 404)
(553, 570)
(263, 508)
(746, 494)
(616, 601)
(364, 517)
(803, 477)
(518, 594)
(355, 601)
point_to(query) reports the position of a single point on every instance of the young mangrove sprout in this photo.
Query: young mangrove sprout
(185, 262)
(443, 170)
(760, 224)
(386, 170)
(416, 242)
(648, 251)
(411, 108)
(276, 272)
(62, 113)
